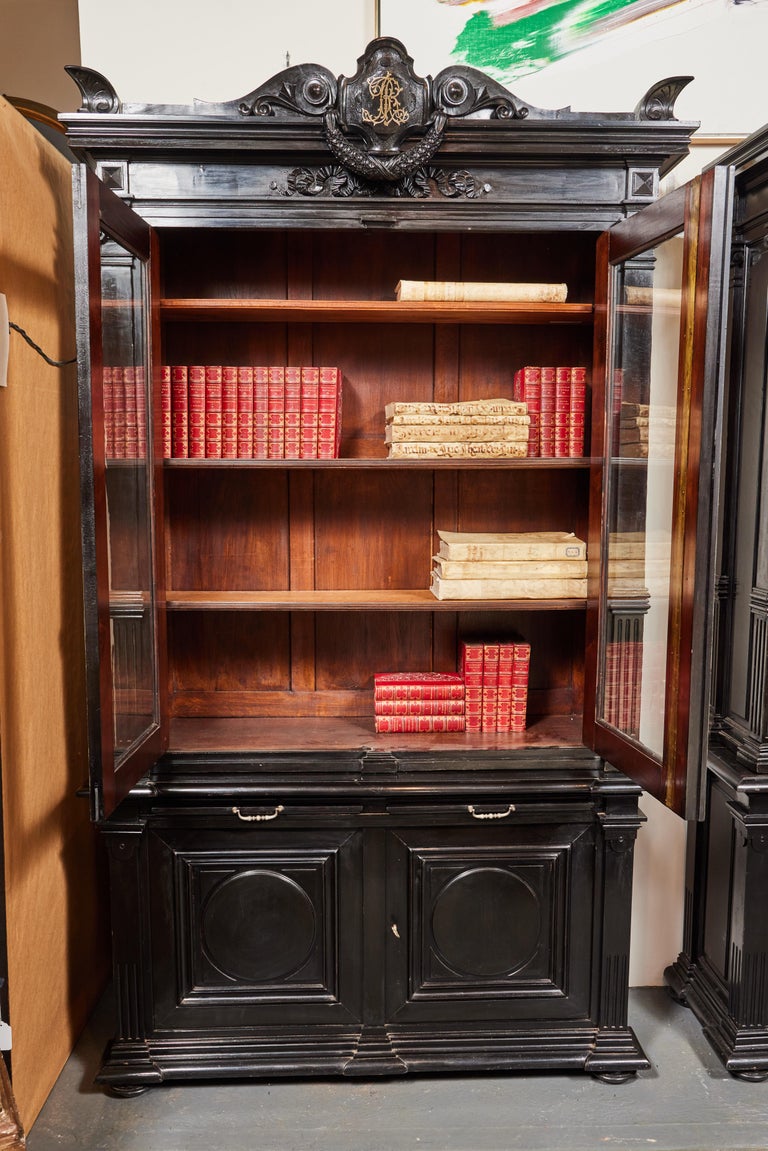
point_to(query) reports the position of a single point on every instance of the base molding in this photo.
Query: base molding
(611, 1053)
(743, 1050)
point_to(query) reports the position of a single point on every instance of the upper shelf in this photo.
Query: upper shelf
(373, 311)
(410, 599)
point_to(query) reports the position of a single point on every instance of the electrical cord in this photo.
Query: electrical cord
(39, 350)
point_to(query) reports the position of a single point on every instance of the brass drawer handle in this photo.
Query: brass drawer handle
(490, 814)
(258, 818)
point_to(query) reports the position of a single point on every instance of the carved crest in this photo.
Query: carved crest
(384, 101)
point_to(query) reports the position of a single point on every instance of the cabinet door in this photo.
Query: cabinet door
(659, 317)
(113, 250)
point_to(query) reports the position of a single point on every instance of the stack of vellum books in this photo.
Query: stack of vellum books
(647, 430)
(472, 429)
(639, 564)
(510, 565)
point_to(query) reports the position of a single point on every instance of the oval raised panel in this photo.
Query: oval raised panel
(258, 926)
(486, 923)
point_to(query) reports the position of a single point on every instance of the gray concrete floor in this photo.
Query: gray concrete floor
(686, 1103)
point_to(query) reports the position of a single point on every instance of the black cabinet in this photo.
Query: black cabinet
(294, 891)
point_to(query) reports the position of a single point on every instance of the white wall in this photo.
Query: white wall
(172, 52)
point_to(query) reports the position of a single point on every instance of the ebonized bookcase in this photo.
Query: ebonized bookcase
(292, 893)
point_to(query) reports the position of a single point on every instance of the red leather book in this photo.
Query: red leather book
(260, 412)
(108, 405)
(417, 723)
(471, 670)
(490, 686)
(520, 675)
(329, 414)
(229, 413)
(131, 420)
(562, 411)
(213, 379)
(292, 412)
(426, 685)
(245, 413)
(276, 413)
(418, 707)
(165, 410)
(504, 688)
(310, 384)
(141, 412)
(198, 402)
(547, 415)
(577, 408)
(179, 412)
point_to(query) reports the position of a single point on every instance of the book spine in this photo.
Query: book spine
(504, 689)
(562, 411)
(260, 412)
(108, 405)
(308, 418)
(463, 291)
(229, 413)
(141, 412)
(165, 410)
(463, 449)
(419, 707)
(213, 412)
(329, 407)
(276, 413)
(418, 692)
(245, 413)
(578, 412)
(292, 412)
(490, 686)
(532, 399)
(179, 412)
(197, 411)
(547, 415)
(417, 723)
(131, 418)
(471, 669)
(521, 663)
(497, 407)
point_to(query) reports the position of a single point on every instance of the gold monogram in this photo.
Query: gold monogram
(387, 89)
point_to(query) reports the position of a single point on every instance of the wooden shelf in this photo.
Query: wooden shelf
(386, 464)
(334, 734)
(416, 599)
(372, 311)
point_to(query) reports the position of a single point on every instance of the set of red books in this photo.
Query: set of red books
(495, 684)
(556, 401)
(225, 412)
(623, 681)
(124, 398)
(418, 701)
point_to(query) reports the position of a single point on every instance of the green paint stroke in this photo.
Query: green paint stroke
(532, 42)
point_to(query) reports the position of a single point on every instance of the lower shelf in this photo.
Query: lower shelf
(346, 734)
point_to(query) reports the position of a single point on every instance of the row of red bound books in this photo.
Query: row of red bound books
(623, 685)
(224, 412)
(124, 400)
(495, 684)
(418, 701)
(556, 400)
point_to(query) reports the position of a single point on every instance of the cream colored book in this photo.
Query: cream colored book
(463, 291)
(492, 419)
(456, 450)
(497, 406)
(510, 569)
(508, 588)
(511, 546)
(448, 432)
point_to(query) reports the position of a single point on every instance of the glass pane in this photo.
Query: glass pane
(641, 493)
(128, 493)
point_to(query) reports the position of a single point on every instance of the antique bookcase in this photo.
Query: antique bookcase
(292, 892)
(722, 973)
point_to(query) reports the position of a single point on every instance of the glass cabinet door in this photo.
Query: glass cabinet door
(662, 379)
(116, 417)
